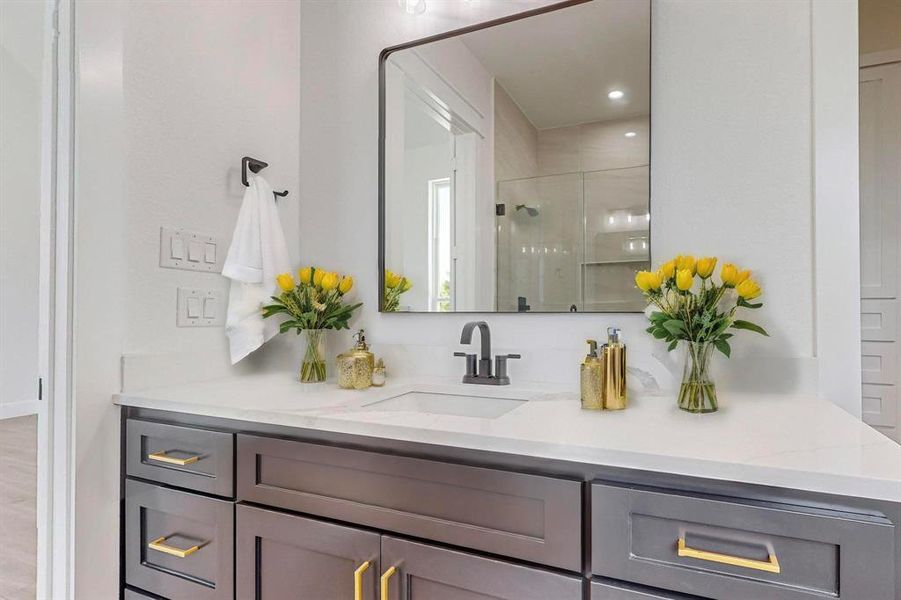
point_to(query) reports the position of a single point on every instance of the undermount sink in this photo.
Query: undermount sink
(457, 405)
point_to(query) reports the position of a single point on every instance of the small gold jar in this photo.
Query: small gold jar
(356, 365)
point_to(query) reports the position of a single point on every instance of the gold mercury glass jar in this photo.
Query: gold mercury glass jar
(591, 378)
(356, 365)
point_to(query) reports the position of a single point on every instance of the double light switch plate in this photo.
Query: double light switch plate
(200, 308)
(191, 251)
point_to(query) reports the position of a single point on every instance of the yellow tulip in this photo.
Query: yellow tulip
(405, 284)
(318, 274)
(742, 276)
(706, 266)
(748, 289)
(667, 270)
(305, 275)
(648, 281)
(729, 274)
(329, 281)
(346, 284)
(686, 262)
(684, 279)
(285, 281)
(392, 280)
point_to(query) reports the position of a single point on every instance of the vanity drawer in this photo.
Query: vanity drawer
(177, 544)
(188, 457)
(739, 550)
(522, 516)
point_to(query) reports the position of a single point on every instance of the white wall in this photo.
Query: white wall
(731, 175)
(170, 96)
(21, 60)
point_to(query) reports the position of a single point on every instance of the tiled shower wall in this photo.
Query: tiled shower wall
(589, 172)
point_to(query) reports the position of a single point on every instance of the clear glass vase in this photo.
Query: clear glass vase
(313, 368)
(697, 394)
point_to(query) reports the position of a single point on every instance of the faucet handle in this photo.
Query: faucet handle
(470, 363)
(500, 366)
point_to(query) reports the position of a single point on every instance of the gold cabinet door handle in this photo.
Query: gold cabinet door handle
(384, 581)
(163, 457)
(358, 580)
(770, 566)
(160, 545)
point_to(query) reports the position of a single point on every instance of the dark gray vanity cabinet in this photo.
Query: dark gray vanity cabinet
(231, 514)
(282, 556)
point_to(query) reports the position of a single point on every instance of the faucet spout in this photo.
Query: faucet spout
(484, 335)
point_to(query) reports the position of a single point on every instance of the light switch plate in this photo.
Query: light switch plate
(200, 308)
(190, 250)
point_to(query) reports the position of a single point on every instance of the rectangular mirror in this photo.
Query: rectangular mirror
(515, 164)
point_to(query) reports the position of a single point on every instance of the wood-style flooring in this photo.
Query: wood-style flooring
(18, 508)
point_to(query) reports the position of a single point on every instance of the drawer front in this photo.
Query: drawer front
(732, 550)
(286, 556)
(161, 522)
(196, 459)
(425, 572)
(617, 590)
(511, 514)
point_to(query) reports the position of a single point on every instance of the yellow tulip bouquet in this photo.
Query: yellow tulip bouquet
(313, 304)
(395, 285)
(694, 309)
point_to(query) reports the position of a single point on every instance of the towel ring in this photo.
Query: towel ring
(255, 166)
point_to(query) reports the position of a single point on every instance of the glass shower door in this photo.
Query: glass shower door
(540, 244)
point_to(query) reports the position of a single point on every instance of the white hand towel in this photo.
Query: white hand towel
(257, 254)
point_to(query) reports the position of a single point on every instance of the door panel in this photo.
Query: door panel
(880, 237)
(286, 556)
(426, 572)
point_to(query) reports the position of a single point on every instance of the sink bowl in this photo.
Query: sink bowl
(457, 405)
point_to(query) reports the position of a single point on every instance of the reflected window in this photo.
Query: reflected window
(440, 245)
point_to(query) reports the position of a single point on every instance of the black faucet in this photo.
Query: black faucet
(479, 370)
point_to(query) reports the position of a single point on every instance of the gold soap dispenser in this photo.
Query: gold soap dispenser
(613, 357)
(356, 365)
(591, 377)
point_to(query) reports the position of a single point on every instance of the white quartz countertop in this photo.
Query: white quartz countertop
(784, 441)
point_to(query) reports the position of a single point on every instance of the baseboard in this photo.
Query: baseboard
(19, 409)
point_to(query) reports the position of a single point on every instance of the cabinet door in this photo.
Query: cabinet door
(282, 556)
(425, 572)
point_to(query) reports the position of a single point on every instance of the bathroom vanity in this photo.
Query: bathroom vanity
(263, 488)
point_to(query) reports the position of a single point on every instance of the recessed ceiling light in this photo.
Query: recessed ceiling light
(616, 95)
(413, 7)
(631, 134)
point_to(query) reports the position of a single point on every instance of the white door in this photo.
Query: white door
(880, 243)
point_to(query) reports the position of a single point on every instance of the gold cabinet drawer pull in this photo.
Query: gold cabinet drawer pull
(384, 581)
(358, 580)
(770, 566)
(160, 546)
(163, 457)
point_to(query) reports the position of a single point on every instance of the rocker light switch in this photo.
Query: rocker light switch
(177, 248)
(195, 251)
(210, 307)
(190, 250)
(193, 307)
(199, 308)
